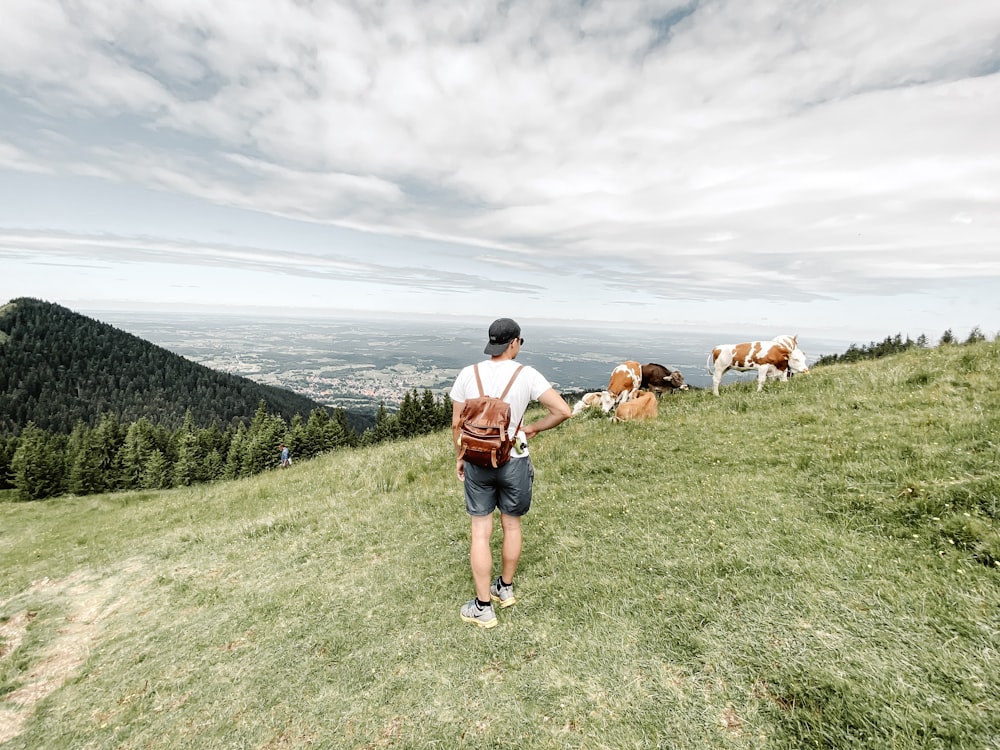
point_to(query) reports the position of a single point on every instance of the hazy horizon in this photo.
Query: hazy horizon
(356, 363)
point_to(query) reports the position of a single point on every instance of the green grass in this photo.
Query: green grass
(811, 566)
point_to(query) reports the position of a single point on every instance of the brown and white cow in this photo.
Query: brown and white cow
(604, 399)
(769, 358)
(641, 406)
(657, 378)
(625, 381)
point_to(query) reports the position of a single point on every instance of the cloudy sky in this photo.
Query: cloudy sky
(768, 165)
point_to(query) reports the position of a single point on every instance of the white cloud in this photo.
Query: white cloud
(685, 150)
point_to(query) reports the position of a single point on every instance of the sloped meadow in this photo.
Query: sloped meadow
(811, 566)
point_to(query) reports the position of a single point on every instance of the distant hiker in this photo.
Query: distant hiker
(500, 484)
(286, 460)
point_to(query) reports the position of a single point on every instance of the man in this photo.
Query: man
(507, 488)
(286, 460)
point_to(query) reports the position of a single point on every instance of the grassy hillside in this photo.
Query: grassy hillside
(812, 566)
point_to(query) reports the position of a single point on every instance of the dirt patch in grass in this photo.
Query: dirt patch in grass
(88, 600)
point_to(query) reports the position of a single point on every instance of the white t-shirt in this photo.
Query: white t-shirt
(530, 384)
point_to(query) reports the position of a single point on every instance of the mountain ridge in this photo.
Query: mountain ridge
(59, 367)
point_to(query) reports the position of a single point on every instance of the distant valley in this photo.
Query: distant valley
(355, 365)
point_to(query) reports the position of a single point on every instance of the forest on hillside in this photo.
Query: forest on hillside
(87, 408)
(59, 368)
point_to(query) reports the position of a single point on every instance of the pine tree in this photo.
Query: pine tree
(237, 449)
(261, 446)
(314, 438)
(186, 467)
(37, 465)
(445, 411)
(134, 453)
(408, 416)
(211, 440)
(340, 431)
(108, 439)
(296, 439)
(214, 466)
(386, 427)
(85, 474)
(975, 336)
(156, 474)
(428, 413)
(7, 447)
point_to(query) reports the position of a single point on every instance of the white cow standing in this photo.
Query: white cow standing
(625, 381)
(774, 358)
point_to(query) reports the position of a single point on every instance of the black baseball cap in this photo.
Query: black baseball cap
(502, 332)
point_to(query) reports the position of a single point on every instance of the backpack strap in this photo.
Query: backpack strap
(505, 390)
(512, 379)
(479, 381)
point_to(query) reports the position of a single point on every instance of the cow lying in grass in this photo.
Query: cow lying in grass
(641, 406)
(603, 399)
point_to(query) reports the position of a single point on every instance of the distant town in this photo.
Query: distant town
(354, 387)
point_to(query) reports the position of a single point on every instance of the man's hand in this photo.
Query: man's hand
(558, 412)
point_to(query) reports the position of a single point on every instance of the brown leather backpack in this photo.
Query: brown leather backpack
(481, 436)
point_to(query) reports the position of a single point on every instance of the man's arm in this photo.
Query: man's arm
(456, 418)
(558, 409)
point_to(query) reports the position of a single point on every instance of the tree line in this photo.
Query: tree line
(894, 345)
(111, 457)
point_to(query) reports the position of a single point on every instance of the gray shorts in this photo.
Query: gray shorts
(507, 488)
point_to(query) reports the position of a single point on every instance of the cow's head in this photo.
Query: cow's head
(677, 381)
(604, 399)
(607, 401)
(797, 361)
